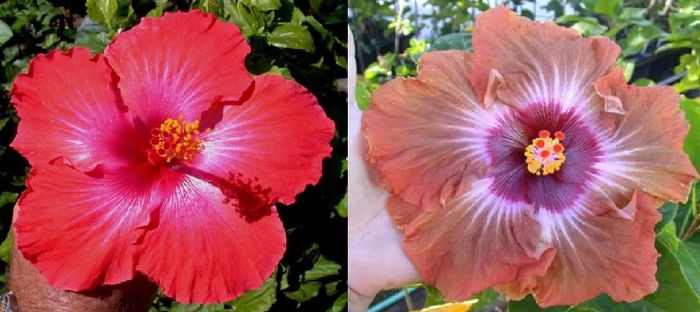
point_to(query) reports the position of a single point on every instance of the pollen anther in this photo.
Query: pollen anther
(545, 155)
(177, 139)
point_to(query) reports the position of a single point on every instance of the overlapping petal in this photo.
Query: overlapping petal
(278, 137)
(425, 134)
(601, 247)
(645, 146)
(78, 228)
(204, 248)
(69, 107)
(478, 241)
(536, 62)
(180, 63)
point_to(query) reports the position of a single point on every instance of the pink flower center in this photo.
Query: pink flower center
(545, 155)
(177, 139)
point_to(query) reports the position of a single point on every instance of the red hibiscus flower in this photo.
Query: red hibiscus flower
(164, 157)
(529, 165)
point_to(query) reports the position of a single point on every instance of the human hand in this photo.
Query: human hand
(375, 258)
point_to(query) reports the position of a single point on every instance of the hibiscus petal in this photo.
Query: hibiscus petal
(179, 64)
(648, 157)
(78, 229)
(601, 248)
(539, 62)
(424, 133)
(278, 136)
(479, 241)
(69, 107)
(202, 249)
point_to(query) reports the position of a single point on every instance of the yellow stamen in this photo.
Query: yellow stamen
(177, 139)
(545, 155)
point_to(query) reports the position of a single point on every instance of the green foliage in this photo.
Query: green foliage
(691, 107)
(5, 32)
(300, 40)
(456, 41)
(102, 11)
(291, 36)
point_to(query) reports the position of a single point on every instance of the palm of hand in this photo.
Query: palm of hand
(376, 260)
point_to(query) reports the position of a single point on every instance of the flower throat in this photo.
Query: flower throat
(546, 154)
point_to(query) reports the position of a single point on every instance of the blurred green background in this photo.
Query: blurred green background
(304, 40)
(660, 42)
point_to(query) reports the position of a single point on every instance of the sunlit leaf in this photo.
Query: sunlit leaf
(5, 32)
(102, 11)
(291, 36)
(257, 300)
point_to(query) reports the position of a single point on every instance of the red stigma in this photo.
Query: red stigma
(557, 148)
(559, 135)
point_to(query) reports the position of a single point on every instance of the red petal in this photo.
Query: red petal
(539, 62)
(645, 150)
(203, 249)
(606, 249)
(179, 64)
(68, 105)
(78, 229)
(279, 135)
(478, 241)
(426, 134)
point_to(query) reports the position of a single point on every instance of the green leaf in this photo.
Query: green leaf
(322, 268)
(678, 273)
(291, 36)
(691, 108)
(362, 95)
(433, 296)
(281, 71)
(668, 212)
(258, 300)
(528, 304)
(6, 248)
(644, 82)
(609, 8)
(5, 33)
(627, 68)
(156, 12)
(456, 41)
(587, 26)
(3, 122)
(92, 35)
(249, 20)
(305, 292)
(342, 207)
(604, 303)
(340, 304)
(487, 298)
(7, 197)
(266, 5)
(102, 11)
(638, 37)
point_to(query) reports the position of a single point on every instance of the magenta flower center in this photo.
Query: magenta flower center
(545, 155)
(176, 139)
(561, 179)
